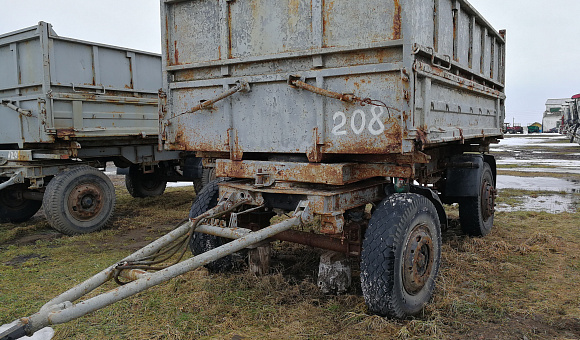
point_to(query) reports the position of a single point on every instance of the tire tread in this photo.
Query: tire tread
(54, 211)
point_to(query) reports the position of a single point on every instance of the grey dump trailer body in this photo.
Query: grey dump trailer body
(66, 103)
(441, 76)
(74, 89)
(367, 114)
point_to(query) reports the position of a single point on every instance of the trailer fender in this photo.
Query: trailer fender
(434, 198)
(463, 175)
(430, 195)
(489, 159)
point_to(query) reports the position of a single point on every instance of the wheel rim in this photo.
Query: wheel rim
(85, 202)
(488, 194)
(419, 256)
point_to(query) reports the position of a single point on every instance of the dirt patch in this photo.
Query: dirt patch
(522, 327)
(138, 238)
(32, 239)
(18, 260)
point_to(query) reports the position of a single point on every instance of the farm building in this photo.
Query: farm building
(553, 114)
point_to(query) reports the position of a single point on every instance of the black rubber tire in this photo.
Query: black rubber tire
(398, 221)
(200, 242)
(79, 200)
(197, 185)
(14, 208)
(208, 175)
(144, 185)
(472, 216)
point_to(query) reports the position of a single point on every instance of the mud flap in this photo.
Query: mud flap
(463, 176)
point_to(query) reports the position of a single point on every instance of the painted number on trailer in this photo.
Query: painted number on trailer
(358, 122)
(13, 155)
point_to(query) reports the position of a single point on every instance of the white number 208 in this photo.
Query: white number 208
(375, 126)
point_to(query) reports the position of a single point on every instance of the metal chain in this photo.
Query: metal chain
(349, 98)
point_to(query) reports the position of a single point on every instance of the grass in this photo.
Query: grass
(522, 280)
(570, 176)
(526, 166)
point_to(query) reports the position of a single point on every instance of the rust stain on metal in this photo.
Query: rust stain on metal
(65, 132)
(167, 40)
(342, 97)
(294, 6)
(319, 241)
(397, 20)
(176, 53)
(422, 137)
(335, 174)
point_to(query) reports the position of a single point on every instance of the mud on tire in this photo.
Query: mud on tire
(401, 256)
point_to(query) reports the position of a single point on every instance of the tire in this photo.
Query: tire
(402, 225)
(13, 207)
(200, 242)
(476, 213)
(79, 200)
(144, 185)
(208, 175)
(197, 185)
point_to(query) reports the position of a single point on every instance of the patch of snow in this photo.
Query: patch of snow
(179, 184)
(44, 334)
(553, 204)
(537, 183)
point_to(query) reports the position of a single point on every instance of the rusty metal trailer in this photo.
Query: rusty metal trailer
(357, 120)
(340, 106)
(68, 107)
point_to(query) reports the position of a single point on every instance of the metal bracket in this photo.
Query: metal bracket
(303, 211)
(332, 224)
(15, 179)
(11, 106)
(96, 92)
(439, 65)
(263, 179)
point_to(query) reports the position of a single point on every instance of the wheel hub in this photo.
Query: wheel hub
(418, 259)
(488, 194)
(85, 202)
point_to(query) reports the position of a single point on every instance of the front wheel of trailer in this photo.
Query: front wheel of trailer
(401, 255)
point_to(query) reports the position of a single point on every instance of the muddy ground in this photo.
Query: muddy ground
(545, 164)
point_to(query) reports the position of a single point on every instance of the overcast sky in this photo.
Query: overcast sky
(543, 53)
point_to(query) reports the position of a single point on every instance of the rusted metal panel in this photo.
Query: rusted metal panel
(266, 173)
(322, 201)
(339, 47)
(74, 89)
